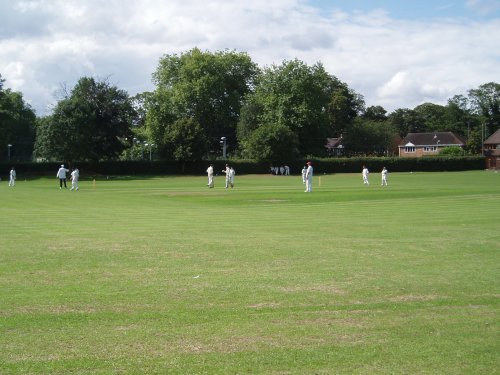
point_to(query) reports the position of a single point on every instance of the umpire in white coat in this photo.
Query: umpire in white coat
(61, 175)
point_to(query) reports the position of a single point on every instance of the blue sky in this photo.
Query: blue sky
(397, 54)
(416, 9)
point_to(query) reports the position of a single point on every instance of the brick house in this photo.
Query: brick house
(492, 150)
(416, 145)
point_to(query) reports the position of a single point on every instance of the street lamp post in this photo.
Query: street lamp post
(224, 146)
(9, 147)
(135, 142)
(144, 144)
(150, 149)
(482, 139)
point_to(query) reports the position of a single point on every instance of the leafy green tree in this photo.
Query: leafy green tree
(406, 121)
(249, 119)
(485, 101)
(451, 151)
(370, 137)
(434, 117)
(17, 124)
(375, 113)
(474, 142)
(460, 117)
(344, 106)
(93, 122)
(454, 117)
(135, 143)
(207, 87)
(295, 96)
(185, 140)
(272, 143)
(67, 133)
(138, 102)
(159, 116)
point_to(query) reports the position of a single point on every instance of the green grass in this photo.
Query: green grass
(162, 275)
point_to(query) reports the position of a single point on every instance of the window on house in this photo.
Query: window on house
(409, 149)
(430, 148)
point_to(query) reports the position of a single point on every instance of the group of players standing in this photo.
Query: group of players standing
(229, 171)
(365, 173)
(307, 174)
(61, 175)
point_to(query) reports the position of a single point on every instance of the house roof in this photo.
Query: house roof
(493, 139)
(433, 139)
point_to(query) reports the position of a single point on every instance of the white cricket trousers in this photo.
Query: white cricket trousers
(309, 184)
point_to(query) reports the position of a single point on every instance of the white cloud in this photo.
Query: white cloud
(483, 7)
(394, 63)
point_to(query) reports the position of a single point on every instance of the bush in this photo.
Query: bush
(321, 165)
(451, 151)
(397, 164)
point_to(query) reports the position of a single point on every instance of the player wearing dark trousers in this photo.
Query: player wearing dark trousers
(61, 175)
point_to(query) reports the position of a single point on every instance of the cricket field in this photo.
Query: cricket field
(161, 275)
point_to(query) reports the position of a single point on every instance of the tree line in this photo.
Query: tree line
(274, 114)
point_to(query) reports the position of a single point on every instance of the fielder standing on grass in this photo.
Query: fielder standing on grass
(365, 174)
(384, 176)
(227, 172)
(74, 179)
(304, 170)
(231, 177)
(61, 175)
(309, 177)
(210, 173)
(12, 180)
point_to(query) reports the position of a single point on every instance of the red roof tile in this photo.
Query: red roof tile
(494, 139)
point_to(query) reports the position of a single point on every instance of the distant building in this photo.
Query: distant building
(492, 150)
(334, 146)
(416, 145)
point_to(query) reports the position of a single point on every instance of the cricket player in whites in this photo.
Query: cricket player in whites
(12, 180)
(210, 173)
(309, 177)
(74, 179)
(231, 177)
(227, 172)
(304, 170)
(365, 174)
(384, 176)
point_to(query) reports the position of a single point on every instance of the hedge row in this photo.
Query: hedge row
(397, 164)
(330, 165)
